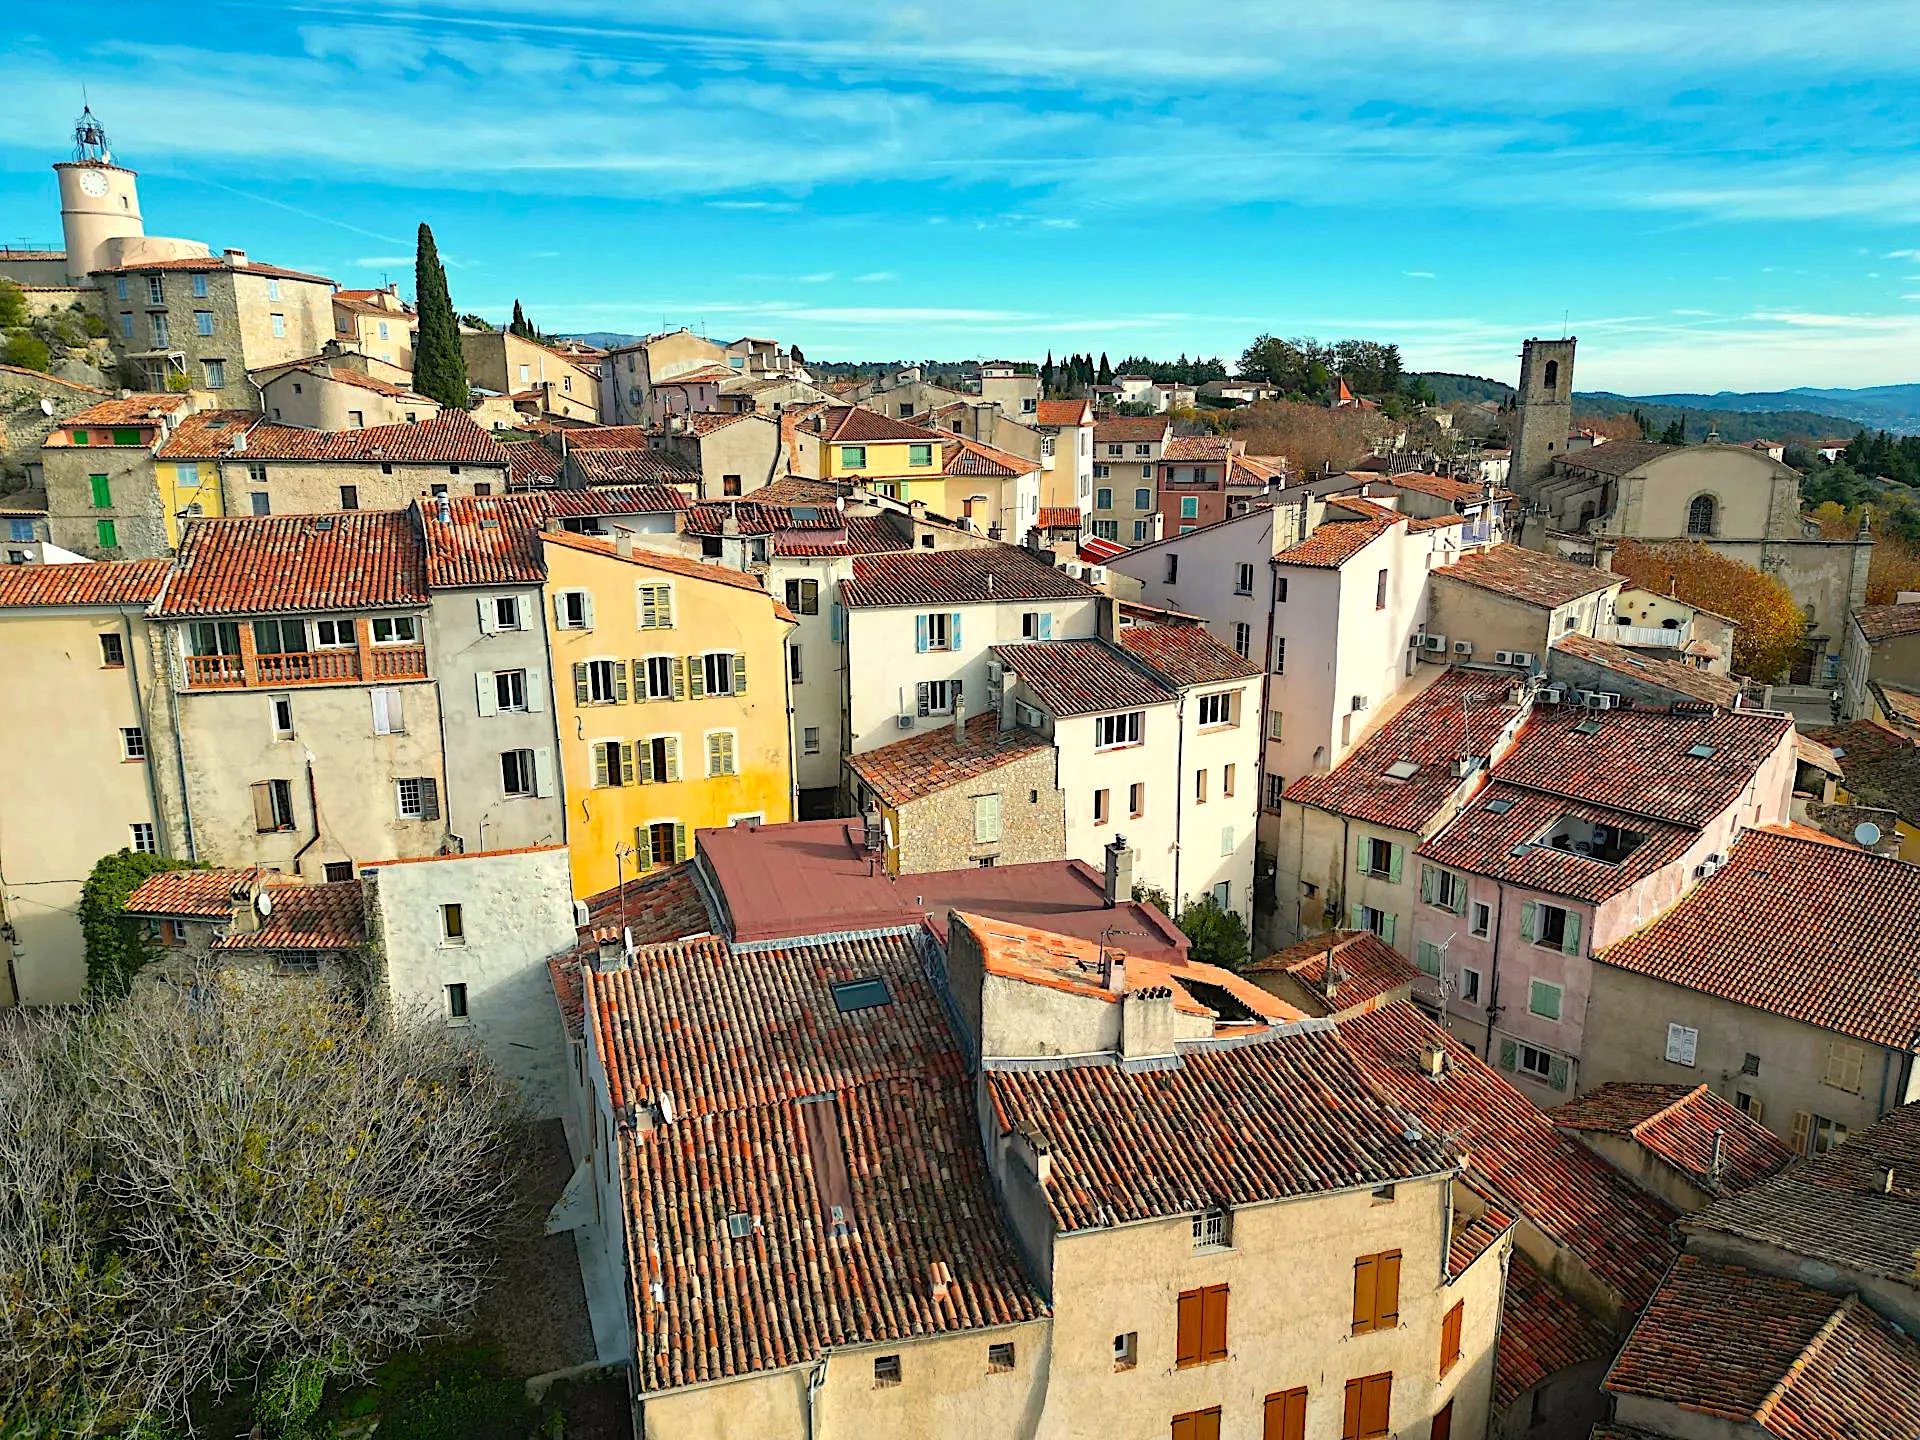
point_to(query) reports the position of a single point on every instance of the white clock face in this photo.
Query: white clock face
(93, 182)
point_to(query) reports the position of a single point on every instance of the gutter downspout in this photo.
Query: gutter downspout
(1493, 972)
(786, 682)
(313, 803)
(1179, 797)
(816, 1381)
(133, 684)
(179, 745)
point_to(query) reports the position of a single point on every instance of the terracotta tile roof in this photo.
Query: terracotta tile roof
(1463, 710)
(1651, 668)
(531, 463)
(658, 907)
(307, 917)
(1528, 575)
(1130, 429)
(969, 457)
(1542, 1332)
(1616, 457)
(127, 410)
(796, 490)
(96, 582)
(1420, 525)
(752, 517)
(1363, 506)
(1183, 655)
(929, 762)
(1227, 1126)
(844, 424)
(658, 560)
(1837, 1208)
(1060, 517)
(1197, 447)
(1253, 471)
(1677, 1125)
(1885, 622)
(1640, 760)
(1900, 702)
(607, 437)
(700, 375)
(1880, 766)
(212, 263)
(1335, 542)
(261, 564)
(1473, 1239)
(450, 437)
(1618, 1232)
(1444, 487)
(639, 466)
(189, 894)
(1083, 677)
(865, 535)
(785, 1106)
(1496, 837)
(343, 375)
(489, 540)
(1807, 929)
(616, 500)
(980, 576)
(24, 512)
(1062, 412)
(1766, 1351)
(1365, 967)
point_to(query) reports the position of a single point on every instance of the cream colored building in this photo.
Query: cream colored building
(377, 323)
(528, 372)
(321, 396)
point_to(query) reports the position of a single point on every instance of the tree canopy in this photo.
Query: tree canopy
(439, 364)
(1772, 626)
(117, 946)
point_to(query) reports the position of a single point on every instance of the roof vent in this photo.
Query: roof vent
(1403, 770)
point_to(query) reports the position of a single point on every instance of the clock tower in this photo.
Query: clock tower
(99, 201)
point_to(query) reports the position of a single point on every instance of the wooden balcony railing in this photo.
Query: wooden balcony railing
(306, 667)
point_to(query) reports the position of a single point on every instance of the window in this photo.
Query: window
(260, 503)
(1200, 1332)
(112, 655)
(1545, 999)
(1103, 498)
(417, 797)
(724, 674)
(1683, 1043)
(1126, 1350)
(1481, 920)
(654, 677)
(1143, 498)
(1816, 1134)
(937, 631)
(934, 697)
(1700, 515)
(1279, 654)
(612, 763)
(456, 1004)
(606, 682)
(1136, 800)
(126, 323)
(155, 295)
(1211, 1230)
(1200, 787)
(273, 289)
(1285, 1416)
(1381, 857)
(654, 606)
(203, 322)
(1380, 591)
(853, 457)
(102, 490)
(1099, 807)
(986, 819)
(920, 456)
(453, 925)
(145, 840)
(133, 743)
(886, 1371)
(1443, 888)
(1552, 926)
(1216, 709)
(573, 610)
(216, 373)
(1376, 1292)
(1531, 1060)
(1442, 1426)
(158, 325)
(810, 740)
(1226, 788)
(1470, 986)
(279, 323)
(1106, 529)
(1749, 1105)
(272, 806)
(349, 497)
(1750, 1064)
(1141, 531)
(1173, 569)
(867, 994)
(1450, 1336)
(1243, 643)
(389, 711)
(357, 420)
(1189, 507)
(1197, 1425)
(1845, 1063)
(1000, 1357)
(281, 709)
(729, 484)
(383, 330)
(1036, 625)
(1111, 731)
(803, 597)
(516, 772)
(720, 756)
(1428, 957)
(1276, 791)
(395, 630)
(659, 760)
(120, 286)
(334, 632)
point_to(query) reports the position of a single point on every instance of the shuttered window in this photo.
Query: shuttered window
(1376, 1292)
(1197, 1425)
(1286, 1416)
(1369, 1403)
(655, 606)
(1450, 1336)
(1201, 1332)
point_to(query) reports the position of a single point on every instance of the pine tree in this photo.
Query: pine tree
(518, 325)
(1106, 370)
(1046, 375)
(439, 364)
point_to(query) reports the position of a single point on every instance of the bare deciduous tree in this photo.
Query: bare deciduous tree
(206, 1179)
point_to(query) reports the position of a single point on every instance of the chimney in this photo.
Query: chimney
(1113, 971)
(610, 953)
(1716, 1165)
(443, 509)
(245, 918)
(623, 543)
(1119, 885)
(959, 723)
(990, 585)
(236, 259)
(1146, 1024)
(1433, 1059)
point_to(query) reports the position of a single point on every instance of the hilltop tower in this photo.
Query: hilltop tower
(99, 200)
(1545, 408)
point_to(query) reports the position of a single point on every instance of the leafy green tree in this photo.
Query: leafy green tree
(14, 314)
(439, 364)
(1676, 431)
(25, 349)
(1218, 937)
(117, 946)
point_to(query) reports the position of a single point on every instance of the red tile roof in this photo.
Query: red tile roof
(1365, 967)
(785, 1107)
(1130, 429)
(929, 762)
(450, 437)
(96, 582)
(1816, 932)
(969, 457)
(1677, 1124)
(1443, 487)
(1060, 517)
(307, 917)
(531, 463)
(1197, 447)
(844, 424)
(1653, 668)
(261, 564)
(126, 410)
(1083, 677)
(1063, 412)
(1285, 1116)
(615, 437)
(1335, 542)
(1766, 1351)
(341, 374)
(489, 540)
(1496, 837)
(632, 466)
(658, 560)
(708, 374)
(752, 517)
(979, 576)
(212, 263)
(1615, 457)
(1473, 1238)
(1880, 766)
(616, 500)
(1528, 575)
(865, 535)
(1542, 1332)
(1886, 622)
(189, 894)
(1463, 712)
(797, 490)
(1183, 655)
(1619, 1233)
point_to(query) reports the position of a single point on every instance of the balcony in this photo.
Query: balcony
(306, 667)
(1645, 635)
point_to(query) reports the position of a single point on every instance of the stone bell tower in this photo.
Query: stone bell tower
(99, 201)
(1545, 410)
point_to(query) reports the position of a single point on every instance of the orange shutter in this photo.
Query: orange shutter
(1286, 1416)
(1183, 1427)
(1442, 1423)
(1187, 1337)
(1206, 1425)
(1364, 1280)
(1387, 1292)
(1350, 1425)
(1450, 1337)
(1376, 1402)
(1214, 1327)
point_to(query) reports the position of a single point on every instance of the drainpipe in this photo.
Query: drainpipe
(179, 748)
(816, 1381)
(793, 748)
(133, 684)
(1493, 971)
(313, 801)
(1179, 796)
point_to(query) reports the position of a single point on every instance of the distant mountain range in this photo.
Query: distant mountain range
(604, 339)
(1737, 415)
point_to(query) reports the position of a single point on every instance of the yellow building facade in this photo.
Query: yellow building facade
(670, 688)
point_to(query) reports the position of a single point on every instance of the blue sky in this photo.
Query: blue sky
(1712, 194)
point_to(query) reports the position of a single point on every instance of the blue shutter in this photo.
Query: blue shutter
(953, 631)
(1046, 625)
(839, 622)
(920, 633)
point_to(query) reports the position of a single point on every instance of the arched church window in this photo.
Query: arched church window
(1552, 379)
(1700, 515)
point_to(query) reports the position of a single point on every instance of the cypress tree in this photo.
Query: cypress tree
(1046, 375)
(518, 325)
(439, 364)
(1106, 370)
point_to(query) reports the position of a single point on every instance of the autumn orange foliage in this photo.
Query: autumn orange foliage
(1772, 627)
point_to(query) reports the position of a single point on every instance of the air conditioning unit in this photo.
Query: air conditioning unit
(1416, 642)
(1096, 574)
(905, 722)
(1605, 700)
(1075, 569)
(1553, 694)
(1433, 642)
(1523, 658)
(994, 672)
(1706, 867)
(1026, 714)
(581, 917)
(1359, 702)
(1503, 657)
(1463, 647)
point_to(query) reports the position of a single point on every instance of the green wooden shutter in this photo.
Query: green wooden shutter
(1429, 884)
(599, 764)
(679, 842)
(1558, 1072)
(647, 774)
(640, 686)
(1529, 920)
(1396, 854)
(920, 633)
(620, 680)
(739, 674)
(626, 764)
(1355, 920)
(1360, 857)
(665, 602)
(1570, 944)
(679, 678)
(102, 492)
(696, 677)
(580, 688)
(673, 757)
(1386, 930)
(713, 755)
(1509, 1055)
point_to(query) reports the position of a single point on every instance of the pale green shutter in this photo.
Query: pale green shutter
(1386, 930)
(1360, 857)
(679, 842)
(713, 755)
(696, 677)
(1355, 920)
(640, 695)
(1509, 1055)
(620, 680)
(673, 757)
(1529, 920)
(647, 776)
(1570, 945)
(679, 678)
(580, 687)
(664, 599)
(1429, 884)
(1395, 855)
(626, 764)
(739, 674)
(1558, 1072)
(599, 764)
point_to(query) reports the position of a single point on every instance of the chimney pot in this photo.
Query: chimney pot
(1119, 872)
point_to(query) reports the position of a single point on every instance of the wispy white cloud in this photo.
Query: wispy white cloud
(875, 277)
(382, 262)
(1418, 274)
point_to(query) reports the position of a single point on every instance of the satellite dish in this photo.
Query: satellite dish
(263, 902)
(46, 407)
(1866, 834)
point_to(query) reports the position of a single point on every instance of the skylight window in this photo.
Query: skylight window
(1499, 807)
(1587, 727)
(852, 995)
(1701, 752)
(1403, 769)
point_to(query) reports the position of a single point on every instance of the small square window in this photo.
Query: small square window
(338, 871)
(886, 1370)
(1000, 1357)
(112, 655)
(457, 1004)
(145, 841)
(1211, 1230)
(133, 742)
(453, 925)
(1126, 1350)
